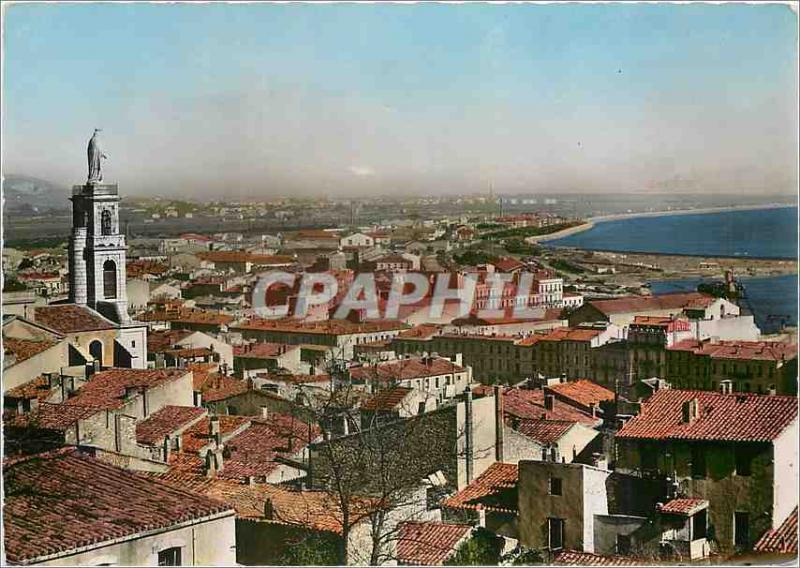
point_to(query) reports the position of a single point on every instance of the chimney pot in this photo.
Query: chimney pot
(549, 401)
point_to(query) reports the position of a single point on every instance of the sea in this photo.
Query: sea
(756, 233)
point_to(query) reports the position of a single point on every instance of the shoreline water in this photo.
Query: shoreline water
(592, 221)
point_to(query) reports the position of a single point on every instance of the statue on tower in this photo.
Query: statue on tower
(96, 156)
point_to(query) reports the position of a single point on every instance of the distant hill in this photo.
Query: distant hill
(25, 195)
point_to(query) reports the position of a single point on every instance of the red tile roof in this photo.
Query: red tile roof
(70, 318)
(403, 369)
(683, 506)
(38, 388)
(739, 350)
(571, 334)
(782, 540)
(326, 327)
(157, 426)
(544, 431)
(239, 256)
(196, 437)
(735, 417)
(24, 349)
(62, 501)
(583, 391)
(160, 340)
(573, 558)
(507, 264)
(429, 544)
(58, 417)
(262, 350)
(630, 304)
(107, 389)
(423, 331)
(216, 387)
(387, 399)
(184, 315)
(489, 491)
(529, 403)
(295, 379)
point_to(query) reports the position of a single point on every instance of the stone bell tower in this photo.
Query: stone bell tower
(97, 250)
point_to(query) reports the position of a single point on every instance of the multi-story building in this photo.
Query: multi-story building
(732, 454)
(739, 366)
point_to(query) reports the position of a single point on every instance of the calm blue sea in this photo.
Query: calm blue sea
(770, 298)
(762, 233)
(759, 233)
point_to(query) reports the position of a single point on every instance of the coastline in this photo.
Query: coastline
(592, 221)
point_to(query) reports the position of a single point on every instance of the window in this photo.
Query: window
(699, 524)
(555, 486)
(105, 223)
(744, 460)
(170, 556)
(698, 461)
(109, 279)
(623, 544)
(556, 534)
(741, 530)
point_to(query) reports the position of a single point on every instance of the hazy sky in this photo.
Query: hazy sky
(343, 99)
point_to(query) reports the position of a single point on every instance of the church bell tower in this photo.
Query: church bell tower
(97, 249)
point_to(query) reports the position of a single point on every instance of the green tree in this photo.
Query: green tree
(482, 549)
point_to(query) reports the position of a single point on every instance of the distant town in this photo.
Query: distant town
(151, 406)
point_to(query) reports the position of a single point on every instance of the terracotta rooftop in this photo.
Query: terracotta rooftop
(66, 500)
(38, 388)
(70, 318)
(215, 387)
(195, 237)
(262, 350)
(404, 369)
(429, 544)
(423, 331)
(197, 437)
(683, 506)
(583, 392)
(107, 389)
(493, 490)
(782, 540)
(161, 340)
(239, 256)
(57, 417)
(24, 349)
(544, 432)
(529, 403)
(739, 350)
(387, 399)
(736, 417)
(326, 327)
(573, 558)
(507, 264)
(295, 379)
(153, 430)
(572, 334)
(187, 315)
(630, 304)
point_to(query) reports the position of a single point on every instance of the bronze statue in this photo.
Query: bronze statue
(95, 157)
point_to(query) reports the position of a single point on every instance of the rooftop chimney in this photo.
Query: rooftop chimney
(549, 401)
(690, 410)
(498, 423)
(264, 412)
(214, 430)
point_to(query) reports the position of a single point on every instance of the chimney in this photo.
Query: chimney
(549, 401)
(599, 461)
(251, 480)
(213, 463)
(468, 431)
(264, 412)
(499, 423)
(726, 387)
(167, 448)
(214, 430)
(690, 410)
(160, 364)
(269, 509)
(563, 378)
(198, 398)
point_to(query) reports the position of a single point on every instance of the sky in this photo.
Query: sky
(257, 100)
